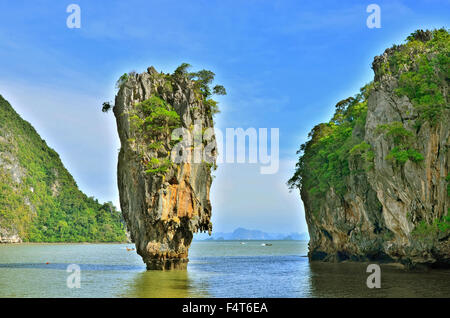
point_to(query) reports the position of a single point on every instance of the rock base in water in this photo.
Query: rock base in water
(167, 264)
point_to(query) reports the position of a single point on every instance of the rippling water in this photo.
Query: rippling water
(216, 269)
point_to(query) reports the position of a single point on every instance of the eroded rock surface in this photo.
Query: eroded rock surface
(162, 205)
(9, 237)
(388, 210)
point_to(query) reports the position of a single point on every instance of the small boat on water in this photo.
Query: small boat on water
(266, 244)
(242, 243)
(130, 249)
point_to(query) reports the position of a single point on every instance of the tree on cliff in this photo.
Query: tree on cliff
(202, 79)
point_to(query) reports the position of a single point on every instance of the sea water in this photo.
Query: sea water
(216, 269)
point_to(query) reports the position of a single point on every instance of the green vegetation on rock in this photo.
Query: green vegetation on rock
(122, 80)
(424, 64)
(402, 141)
(156, 116)
(202, 85)
(153, 120)
(364, 150)
(448, 184)
(39, 199)
(377, 172)
(325, 160)
(438, 228)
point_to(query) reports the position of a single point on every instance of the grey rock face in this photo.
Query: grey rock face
(162, 210)
(8, 237)
(382, 206)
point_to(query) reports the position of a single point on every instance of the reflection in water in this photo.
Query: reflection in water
(64, 266)
(162, 284)
(349, 280)
(216, 269)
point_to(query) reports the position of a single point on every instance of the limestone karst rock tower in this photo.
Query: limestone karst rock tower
(375, 180)
(163, 202)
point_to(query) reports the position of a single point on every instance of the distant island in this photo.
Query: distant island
(241, 234)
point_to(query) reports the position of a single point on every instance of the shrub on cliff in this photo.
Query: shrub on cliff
(158, 115)
(325, 160)
(423, 64)
(153, 120)
(203, 80)
(438, 229)
(122, 80)
(402, 140)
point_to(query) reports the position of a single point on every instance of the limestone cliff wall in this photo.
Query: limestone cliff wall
(162, 209)
(6, 236)
(390, 211)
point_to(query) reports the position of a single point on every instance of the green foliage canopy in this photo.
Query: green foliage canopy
(325, 160)
(46, 205)
(424, 66)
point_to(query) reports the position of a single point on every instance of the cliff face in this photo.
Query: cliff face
(163, 202)
(6, 236)
(384, 194)
(39, 199)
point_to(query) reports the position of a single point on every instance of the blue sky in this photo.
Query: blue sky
(285, 64)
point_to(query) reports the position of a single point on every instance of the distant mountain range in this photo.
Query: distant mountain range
(241, 234)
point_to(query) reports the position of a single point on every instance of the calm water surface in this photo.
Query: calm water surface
(216, 269)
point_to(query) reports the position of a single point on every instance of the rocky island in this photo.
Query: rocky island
(39, 199)
(164, 202)
(375, 179)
